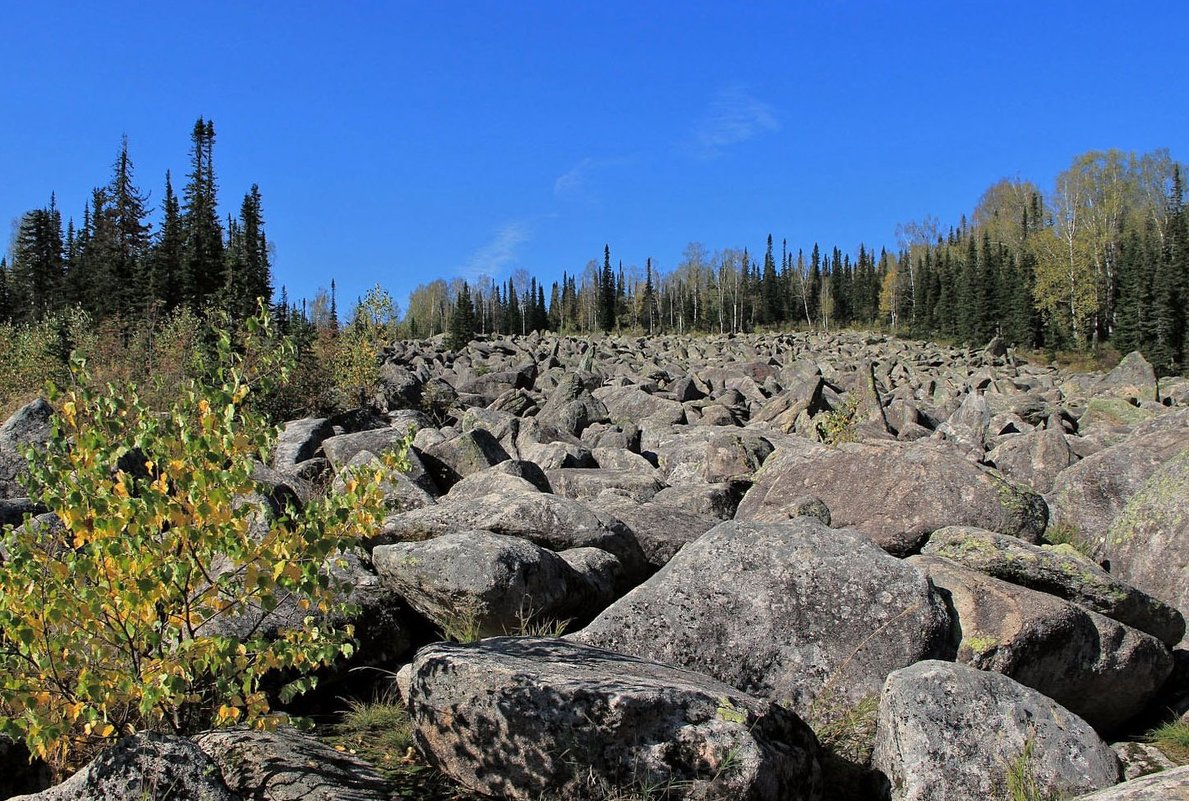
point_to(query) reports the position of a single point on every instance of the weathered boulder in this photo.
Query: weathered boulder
(401, 492)
(895, 493)
(1060, 571)
(1087, 496)
(1096, 667)
(550, 521)
(949, 732)
(1033, 459)
(662, 529)
(28, 425)
(340, 449)
(1147, 544)
(459, 456)
(1167, 785)
(285, 765)
(525, 717)
(788, 611)
(1132, 378)
(717, 500)
(145, 766)
(490, 582)
(298, 441)
(571, 407)
(735, 456)
(586, 484)
(632, 404)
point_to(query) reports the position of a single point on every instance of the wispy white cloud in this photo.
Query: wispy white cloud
(734, 116)
(573, 181)
(494, 256)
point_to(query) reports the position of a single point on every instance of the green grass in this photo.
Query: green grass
(1022, 784)
(1173, 739)
(381, 733)
(1065, 534)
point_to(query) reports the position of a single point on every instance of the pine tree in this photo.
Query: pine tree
(607, 293)
(5, 299)
(769, 288)
(37, 275)
(462, 321)
(248, 270)
(203, 265)
(165, 262)
(122, 283)
(648, 301)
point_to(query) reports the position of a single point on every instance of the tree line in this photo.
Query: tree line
(114, 265)
(1102, 259)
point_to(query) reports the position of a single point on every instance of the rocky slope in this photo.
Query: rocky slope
(766, 547)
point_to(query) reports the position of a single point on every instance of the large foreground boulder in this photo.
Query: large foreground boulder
(526, 717)
(949, 732)
(1096, 667)
(28, 425)
(896, 493)
(787, 611)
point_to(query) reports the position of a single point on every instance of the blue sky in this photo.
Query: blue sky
(400, 142)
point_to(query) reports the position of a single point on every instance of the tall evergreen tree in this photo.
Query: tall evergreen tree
(121, 283)
(462, 321)
(5, 299)
(607, 293)
(247, 263)
(37, 275)
(202, 259)
(166, 273)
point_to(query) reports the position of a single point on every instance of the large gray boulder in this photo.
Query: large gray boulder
(550, 521)
(1167, 785)
(28, 425)
(144, 767)
(585, 484)
(285, 765)
(632, 404)
(895, 493)
(299, 441)
(1147, 544)
(492, 583)
(788, 611)
(524, 717)
(340, 449)
(455, 458)
(571, 407)
(1086, 497)
(662, 529)
(1061, 571)
(1096, 667)
(949, 732)
(1132, 378)
(1033, 459)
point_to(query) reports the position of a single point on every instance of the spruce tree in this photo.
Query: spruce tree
(607, 293)
(166, 281)
(462, 321)
(37, 275)
(5, 299)
(122, 284)
(202, 260)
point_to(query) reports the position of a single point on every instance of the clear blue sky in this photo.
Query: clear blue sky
(399, 142)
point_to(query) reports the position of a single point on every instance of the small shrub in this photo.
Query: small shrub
(1066, 534)
(108, 623)
(839, 426)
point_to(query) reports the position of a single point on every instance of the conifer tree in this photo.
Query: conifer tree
(462, 321)
(606, 296)
(165, 262)
(5, 299)
(202, 260)
(37, 275)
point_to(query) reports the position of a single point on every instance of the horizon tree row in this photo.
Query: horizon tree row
(115, 265)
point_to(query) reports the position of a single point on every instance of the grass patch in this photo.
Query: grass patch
(381, 733)
(1022, 784)
(1173, 739)
(1065, 534)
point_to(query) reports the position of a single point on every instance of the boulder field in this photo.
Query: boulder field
(785, 566)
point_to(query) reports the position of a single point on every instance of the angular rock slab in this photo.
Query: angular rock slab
(519, 717)
(895, 493)
(787, 611)
(491, 581)
(285, 765)
(1148, 542)
(949, 732)
(1167, 785)
(1097, 667)
(28, 425)
(1060, 571)
(146, 766)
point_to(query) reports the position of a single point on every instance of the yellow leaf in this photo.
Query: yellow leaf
(106, 730)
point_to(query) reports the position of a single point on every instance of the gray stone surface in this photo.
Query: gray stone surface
(522, 717)
(1170, 785)
(787, 611)
(28, 425)
(1096, 667)
(949, 732)
(1060, 571)
(285, 765)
